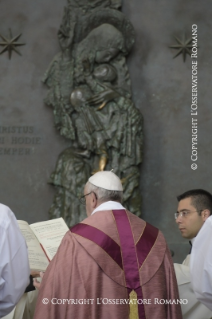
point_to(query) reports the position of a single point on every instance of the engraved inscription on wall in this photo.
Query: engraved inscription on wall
(18, 140)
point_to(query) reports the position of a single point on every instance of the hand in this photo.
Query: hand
(37, 283)
(103, 97)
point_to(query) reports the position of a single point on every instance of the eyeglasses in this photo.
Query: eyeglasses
(185, 213)
(83, 200)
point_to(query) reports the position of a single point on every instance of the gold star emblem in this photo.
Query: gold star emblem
(184, 47)
(10, 44)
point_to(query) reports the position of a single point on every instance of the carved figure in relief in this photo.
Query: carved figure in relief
(125, 135)
(90, 132)
(89, 90)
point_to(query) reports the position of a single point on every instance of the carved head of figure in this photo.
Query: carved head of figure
(105, 73)
(101, 45)
(79, 96)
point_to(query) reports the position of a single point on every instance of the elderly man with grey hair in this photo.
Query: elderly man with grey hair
(111, 265)
(97, 198)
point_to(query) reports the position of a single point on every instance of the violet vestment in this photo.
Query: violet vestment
(100, 261)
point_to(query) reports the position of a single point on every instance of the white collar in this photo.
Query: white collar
(110, 205)
(192, 240)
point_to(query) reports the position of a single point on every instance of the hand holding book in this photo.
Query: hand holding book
(43, 240)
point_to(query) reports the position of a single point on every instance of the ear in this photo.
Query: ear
(205, 214)
(94, 200)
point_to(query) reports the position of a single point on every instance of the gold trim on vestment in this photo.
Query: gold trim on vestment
(133, 305)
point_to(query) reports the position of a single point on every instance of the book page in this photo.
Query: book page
(50, 234)
(37, 258)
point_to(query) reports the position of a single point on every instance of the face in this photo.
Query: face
(190, 225)
(106, 55)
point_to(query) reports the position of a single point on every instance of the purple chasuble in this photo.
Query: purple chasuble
(129, 256)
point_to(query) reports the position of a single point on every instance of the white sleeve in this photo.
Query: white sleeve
(201, 264)
(192, 308)
(14, 264)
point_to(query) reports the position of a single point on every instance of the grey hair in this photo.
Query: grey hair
(104, 195)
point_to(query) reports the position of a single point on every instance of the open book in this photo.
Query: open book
(43, 240)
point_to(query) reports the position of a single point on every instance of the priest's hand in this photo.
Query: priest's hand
(36, 282)
(33, 274)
